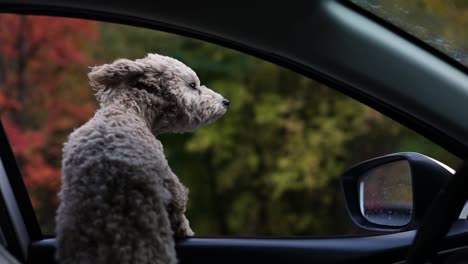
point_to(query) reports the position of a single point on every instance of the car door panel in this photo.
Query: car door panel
(387, 248)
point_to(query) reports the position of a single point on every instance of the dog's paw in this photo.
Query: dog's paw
(184, 229)
(189, 232)
(184, 232)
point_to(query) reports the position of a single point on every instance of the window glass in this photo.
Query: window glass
(440, 23)
(270, 166)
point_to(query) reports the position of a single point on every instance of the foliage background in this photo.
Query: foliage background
(270, 166)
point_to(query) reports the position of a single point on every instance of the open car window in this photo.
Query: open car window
(441, 24)
(269, 167)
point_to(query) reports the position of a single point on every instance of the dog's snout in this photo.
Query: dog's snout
(226, 102)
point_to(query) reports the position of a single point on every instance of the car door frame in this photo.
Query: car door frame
(334, 23)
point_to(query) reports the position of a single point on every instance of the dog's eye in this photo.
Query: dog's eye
(193, 86)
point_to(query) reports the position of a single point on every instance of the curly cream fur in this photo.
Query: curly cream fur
(120, 202)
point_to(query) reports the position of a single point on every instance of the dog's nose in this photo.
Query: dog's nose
(226, 102)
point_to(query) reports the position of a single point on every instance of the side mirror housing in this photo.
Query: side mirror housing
(392, 193)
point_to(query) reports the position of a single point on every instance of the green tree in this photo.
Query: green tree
(271, 165)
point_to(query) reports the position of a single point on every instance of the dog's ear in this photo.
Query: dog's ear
(104, 79)
(108, 75)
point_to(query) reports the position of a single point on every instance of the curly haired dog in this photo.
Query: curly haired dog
(120, 202)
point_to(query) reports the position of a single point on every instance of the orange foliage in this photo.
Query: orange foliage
(40, 58)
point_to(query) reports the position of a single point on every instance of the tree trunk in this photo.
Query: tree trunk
(217, 199)
(21, 67)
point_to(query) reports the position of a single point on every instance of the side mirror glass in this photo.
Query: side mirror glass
(386, 194)
(392, 193)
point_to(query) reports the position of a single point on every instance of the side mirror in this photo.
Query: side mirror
(393, 192)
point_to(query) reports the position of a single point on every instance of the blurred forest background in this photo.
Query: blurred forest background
(270, 166)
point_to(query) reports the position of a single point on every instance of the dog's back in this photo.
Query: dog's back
(111, 197)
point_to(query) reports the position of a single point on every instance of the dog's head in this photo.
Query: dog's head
(163, 89)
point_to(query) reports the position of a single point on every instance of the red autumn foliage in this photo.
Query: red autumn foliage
(44, 94)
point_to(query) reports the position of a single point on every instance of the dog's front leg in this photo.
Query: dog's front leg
(177, 207)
